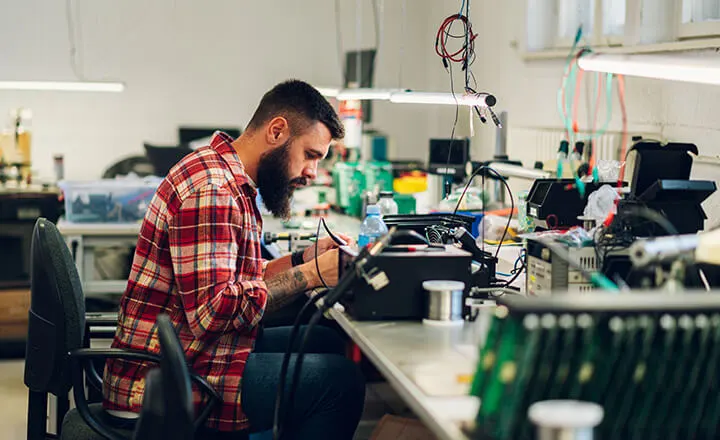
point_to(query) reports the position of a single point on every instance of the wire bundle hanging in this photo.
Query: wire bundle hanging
(568, 104)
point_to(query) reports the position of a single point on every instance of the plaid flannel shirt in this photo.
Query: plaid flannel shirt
(198, 260)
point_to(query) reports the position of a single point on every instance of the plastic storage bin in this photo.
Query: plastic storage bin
(109, 200)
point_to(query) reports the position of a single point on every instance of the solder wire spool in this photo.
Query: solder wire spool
(565, 419)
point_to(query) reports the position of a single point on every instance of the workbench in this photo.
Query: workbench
(429, 366)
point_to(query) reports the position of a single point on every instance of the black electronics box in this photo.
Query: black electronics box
(449, 156)
(406, 268)
(424, 223)
(556, 203)
(660, 180)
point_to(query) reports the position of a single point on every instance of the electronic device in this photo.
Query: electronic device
(188, 134)
(163, 158)
(405, 267)
(435, 227)
(624, 352)
(449, 156)
(556, 203)
(547, 273)
(485, 275)
(660, 180)
(19, 209)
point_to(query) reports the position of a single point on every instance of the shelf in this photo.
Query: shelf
(672, 46)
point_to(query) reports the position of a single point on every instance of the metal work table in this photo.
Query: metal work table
(430, 366)
(84, 238)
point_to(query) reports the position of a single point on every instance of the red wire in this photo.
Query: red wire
(594, 127)
(576, 100)
(441, 39)
(623, 146)
(562, 91)
(621, 175)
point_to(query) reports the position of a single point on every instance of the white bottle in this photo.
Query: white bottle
(387, 204)
(373, 227)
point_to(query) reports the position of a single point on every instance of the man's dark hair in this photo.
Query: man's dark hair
(301, 104)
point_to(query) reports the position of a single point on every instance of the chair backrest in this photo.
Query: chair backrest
(57, 312)
(167, 410)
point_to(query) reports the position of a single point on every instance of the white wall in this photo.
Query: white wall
(191, 62)
(185, 62)
(527, 90)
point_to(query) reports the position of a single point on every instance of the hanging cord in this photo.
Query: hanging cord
(402, 43)
(74, 34)
(358, 42)
(339, 44)
(377, 14)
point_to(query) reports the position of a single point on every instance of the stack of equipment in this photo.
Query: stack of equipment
(648, 359)
(660, 180)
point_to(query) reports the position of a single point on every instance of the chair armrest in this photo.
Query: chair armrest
(101, 325)
(84, 356)
(101, 319)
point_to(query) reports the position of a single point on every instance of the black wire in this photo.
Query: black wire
(655, 217)
(507, 187)
(299, 360)
(279, 395)
(467, 44)
(335, 238)
(517, 274)
(317, 264)
(452, 133)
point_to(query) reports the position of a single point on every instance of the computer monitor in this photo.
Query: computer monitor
(458, 151)
(189, 134)
(163, 158)
(362, 62)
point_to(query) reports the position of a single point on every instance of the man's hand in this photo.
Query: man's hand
(328, 264)
(323, 245)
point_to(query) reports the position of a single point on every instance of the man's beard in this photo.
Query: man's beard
(274, 183)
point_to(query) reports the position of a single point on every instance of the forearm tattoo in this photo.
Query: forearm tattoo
(283, 288)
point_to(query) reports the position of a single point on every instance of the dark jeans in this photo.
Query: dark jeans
(330, 394)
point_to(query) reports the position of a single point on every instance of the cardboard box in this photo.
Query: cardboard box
(14, 307)
(401, 428)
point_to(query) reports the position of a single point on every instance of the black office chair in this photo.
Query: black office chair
(57, 357)
(167, 410)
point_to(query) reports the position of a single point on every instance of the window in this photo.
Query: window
(571, 15)
(699, 18)
(613, 21)
(621, 26)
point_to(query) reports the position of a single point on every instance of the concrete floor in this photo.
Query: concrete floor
(380, 400)
(13, 400)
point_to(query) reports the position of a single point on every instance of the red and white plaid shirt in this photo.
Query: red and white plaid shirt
(198, 260)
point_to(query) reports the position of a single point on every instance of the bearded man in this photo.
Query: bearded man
(198, 260)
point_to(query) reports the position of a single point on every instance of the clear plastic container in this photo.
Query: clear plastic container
(109, 200)
(387, 204)
(373, 227)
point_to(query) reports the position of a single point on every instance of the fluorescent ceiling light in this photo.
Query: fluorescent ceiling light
(65, 86)
(482, 100)
(674, 68)
(365, 94)
(330, 92)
